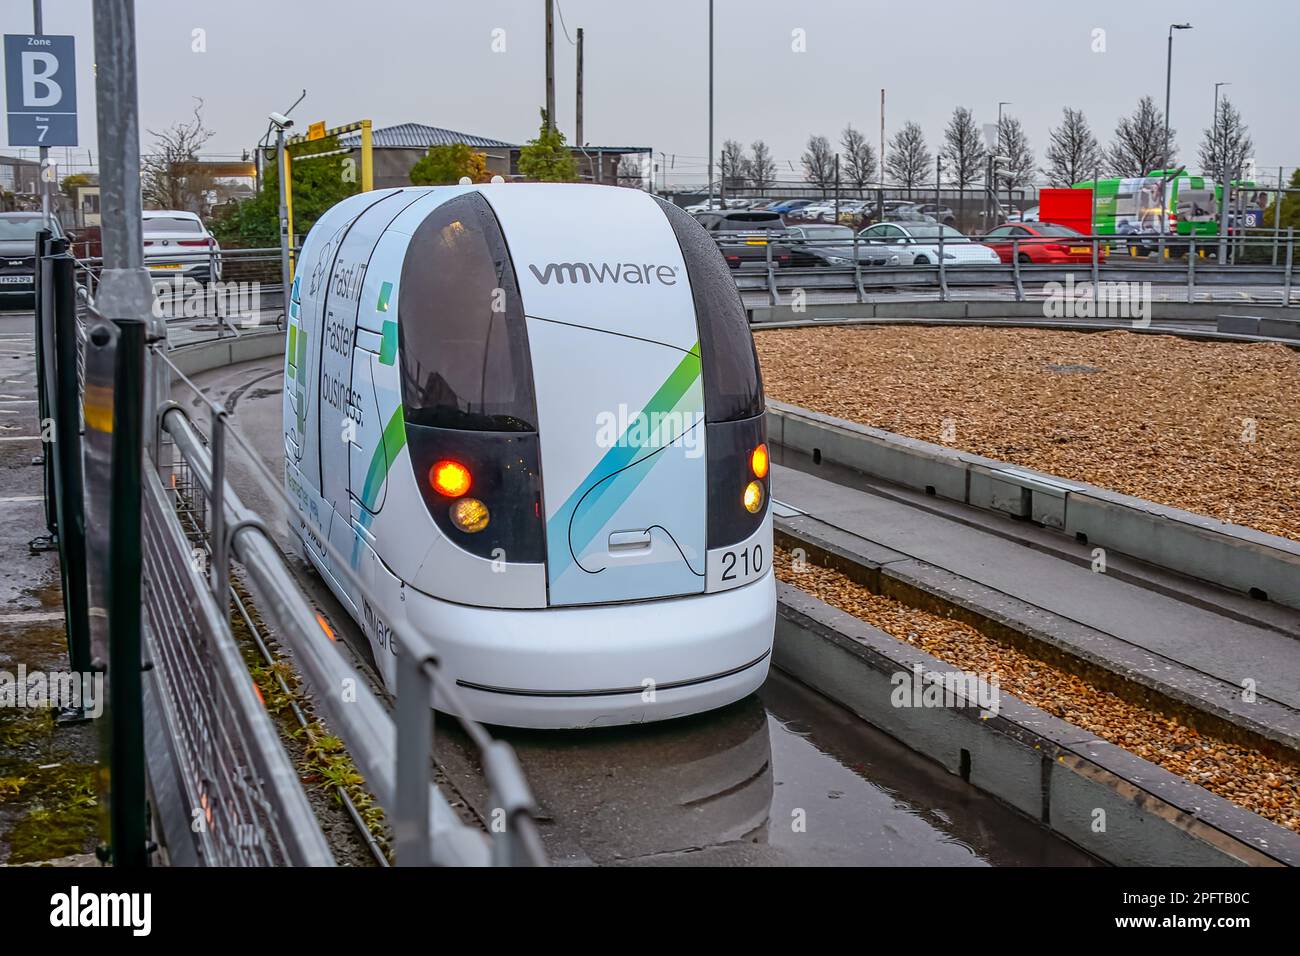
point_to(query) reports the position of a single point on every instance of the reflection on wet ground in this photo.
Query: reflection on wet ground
(782, 778)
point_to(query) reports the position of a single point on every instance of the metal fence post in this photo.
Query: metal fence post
(70, 503)
(1096, 267)
(219, 543)
(411, 836)
(943, 275)
(857, 268)
(44, 358)
(1191, 267)
(1290, 265)
(1015, 269)
(772, 297)
(128, 808)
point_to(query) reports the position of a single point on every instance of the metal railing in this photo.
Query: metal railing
(1190, 264)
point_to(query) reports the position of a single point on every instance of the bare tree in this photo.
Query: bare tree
(1229, 138)
(1072, 151)
(963, 149)
(859, 159)
(733, 167)
(1014, 145)
(169, 176)
(908, 160)
(762, 168)
(819, 162)
(1140, 144)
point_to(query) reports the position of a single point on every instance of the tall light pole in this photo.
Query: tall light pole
(1169, 67)
(710, 167)
(1215, 124)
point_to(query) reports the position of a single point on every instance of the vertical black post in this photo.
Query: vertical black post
(70, 509)
(124, 595)
(42, 400)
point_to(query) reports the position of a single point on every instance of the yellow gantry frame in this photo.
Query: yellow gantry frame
(367, 167)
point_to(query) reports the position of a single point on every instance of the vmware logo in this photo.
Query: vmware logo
(628, 273)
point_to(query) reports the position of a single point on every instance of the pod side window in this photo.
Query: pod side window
(461, 332)
(733, 388)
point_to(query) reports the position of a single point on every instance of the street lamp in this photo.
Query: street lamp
(710, 165)
(1169, 60)
(1215, 123)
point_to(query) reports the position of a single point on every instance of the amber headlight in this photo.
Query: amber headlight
(469, 515)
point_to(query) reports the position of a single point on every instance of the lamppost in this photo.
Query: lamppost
(998, 151)
(1169, 61)
(710, 166)
(1215, 125)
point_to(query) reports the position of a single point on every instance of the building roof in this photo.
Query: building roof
(418, 136)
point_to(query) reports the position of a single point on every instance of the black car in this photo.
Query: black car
(18, 253)
(743, 236)
(828, 245)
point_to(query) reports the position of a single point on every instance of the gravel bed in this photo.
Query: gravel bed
(1254, 781)
(1210, 427)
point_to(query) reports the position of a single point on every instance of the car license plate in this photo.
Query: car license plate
(1080, 250)
(16, 280)
(755, 242)
(164, 265)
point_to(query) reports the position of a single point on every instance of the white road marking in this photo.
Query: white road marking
(20, 437)
(18, 498)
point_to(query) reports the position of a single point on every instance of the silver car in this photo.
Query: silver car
(176, 243)
(917, 243)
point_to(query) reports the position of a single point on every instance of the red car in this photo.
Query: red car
(1044, 243)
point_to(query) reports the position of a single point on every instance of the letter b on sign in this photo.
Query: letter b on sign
(41, 90)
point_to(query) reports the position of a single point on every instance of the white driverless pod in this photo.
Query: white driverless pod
(531, 416)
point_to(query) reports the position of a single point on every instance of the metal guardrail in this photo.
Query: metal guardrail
(1194, 266)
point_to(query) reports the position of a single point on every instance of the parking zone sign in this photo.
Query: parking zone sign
(41, 90)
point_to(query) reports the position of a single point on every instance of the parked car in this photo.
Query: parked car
(1040, 242)
(921, 239)
(18, 254)
(698, 207)
(936, 213)
(177, 243)
(831, 245)
(743, 236)
(789, 206)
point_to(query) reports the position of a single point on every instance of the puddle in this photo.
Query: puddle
(784, 777)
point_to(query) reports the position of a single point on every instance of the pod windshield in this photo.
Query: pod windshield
(733, 389)
(462, 338)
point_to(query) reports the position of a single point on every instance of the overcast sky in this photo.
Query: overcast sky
(434, 62)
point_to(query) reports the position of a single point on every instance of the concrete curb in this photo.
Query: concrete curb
(1231, 556)
(1050, 770)
(1164, 310)
(203, 356)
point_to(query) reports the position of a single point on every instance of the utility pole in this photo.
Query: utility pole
(550, 64)
(710, 165)
(1214, 125)
(38, 28)
(580, 140)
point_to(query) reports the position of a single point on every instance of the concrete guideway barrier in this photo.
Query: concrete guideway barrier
(1048, 769)
(1231, 556)
(1271, 321)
